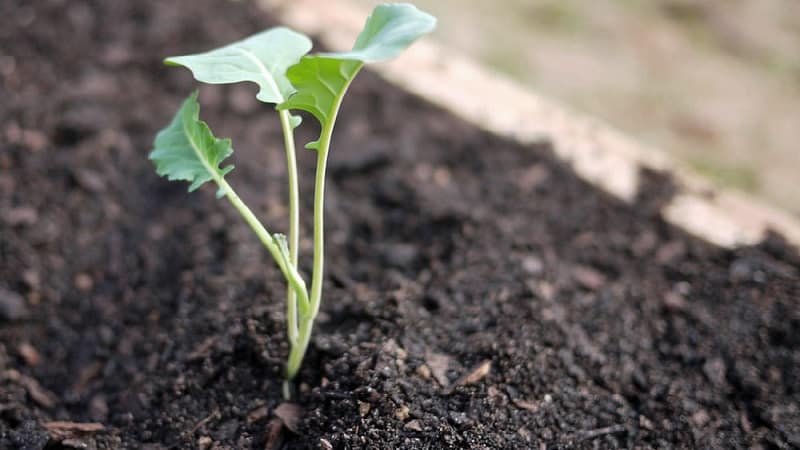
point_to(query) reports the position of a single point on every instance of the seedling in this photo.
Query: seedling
(277, 61)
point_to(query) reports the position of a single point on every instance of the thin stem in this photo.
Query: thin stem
(278, 254)
(294, 222)
(287, 389)
(318, 268)
(290, 273)
(298, 351)
(307, 321)
(317, 276)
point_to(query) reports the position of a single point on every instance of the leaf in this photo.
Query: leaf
(390, 29)
(187, 149)
(322, 80)
(262, 58)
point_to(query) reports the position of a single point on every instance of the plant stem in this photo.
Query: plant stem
(318, 268)
(294, 223)
(307, 321)
(298, 351)
(290, 273)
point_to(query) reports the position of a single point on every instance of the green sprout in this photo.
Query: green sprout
(277, 61)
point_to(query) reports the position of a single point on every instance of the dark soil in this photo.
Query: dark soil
(479, 294)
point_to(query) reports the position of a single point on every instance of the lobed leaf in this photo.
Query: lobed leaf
(322, 80)
(187, 149)
(262, 58)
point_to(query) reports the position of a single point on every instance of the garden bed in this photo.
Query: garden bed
(479, 294)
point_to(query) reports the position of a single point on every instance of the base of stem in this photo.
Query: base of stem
(297, 352)
(287, 390)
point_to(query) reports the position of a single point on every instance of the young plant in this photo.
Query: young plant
(277, 61)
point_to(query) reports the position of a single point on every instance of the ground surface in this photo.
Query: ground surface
(479, 295)
(714, 83)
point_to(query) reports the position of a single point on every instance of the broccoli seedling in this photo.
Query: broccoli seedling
(277, 60)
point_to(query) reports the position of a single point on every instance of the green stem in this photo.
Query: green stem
(290, 273)
(319, 221)
(298, 351)
(294, 223)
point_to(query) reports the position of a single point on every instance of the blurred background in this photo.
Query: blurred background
(715, 83)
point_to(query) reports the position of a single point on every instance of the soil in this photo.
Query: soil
(479, 295)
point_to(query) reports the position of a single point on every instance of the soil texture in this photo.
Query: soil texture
(478, 295)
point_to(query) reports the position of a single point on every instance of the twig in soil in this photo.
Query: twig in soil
(477, 373)
(38, 394)
(202, 350)
(64, 432)
(526, 404)
(592, 434)
(197, 426)
(29, 354)
(84, 427)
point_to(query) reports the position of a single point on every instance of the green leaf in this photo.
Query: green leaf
(322, 80)
(187, 149)
(389, 30)
(262, 58)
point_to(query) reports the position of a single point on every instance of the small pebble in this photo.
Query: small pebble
(459, 418)
(402, 413)
(205, 443)
(83, 282)
(424, 372)
(98, 408)
(413, 425)
(32, 278)
(532, 265)
(29, 354)
(75, 443)
(12, 306)
(363, 408)
(21, 215)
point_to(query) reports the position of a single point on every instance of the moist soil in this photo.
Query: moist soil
(478, 294)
